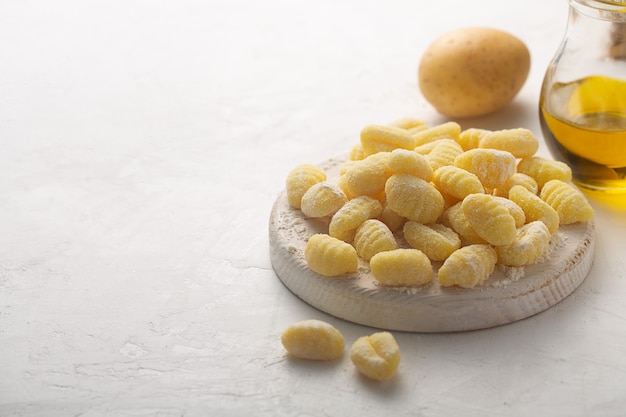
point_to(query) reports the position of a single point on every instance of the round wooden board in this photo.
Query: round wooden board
(510, 294)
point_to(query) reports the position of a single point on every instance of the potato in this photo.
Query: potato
(473, 71)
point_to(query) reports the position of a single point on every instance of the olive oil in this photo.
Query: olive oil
(584, 125)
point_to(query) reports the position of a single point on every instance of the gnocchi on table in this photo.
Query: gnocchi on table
(418, 204)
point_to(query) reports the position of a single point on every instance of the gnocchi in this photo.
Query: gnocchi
(568, 202)
(468, 267)
(412, 195)
(299, 180)
(313, 340)
(376, 356)
(322, 200)
(402, 268)
(492, 166)
(330, 256)
(351, 215)
(435, 240)
(490, 218)
(414, 198)
(372, 237)
(543, 170)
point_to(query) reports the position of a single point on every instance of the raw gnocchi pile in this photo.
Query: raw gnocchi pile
(412, 195)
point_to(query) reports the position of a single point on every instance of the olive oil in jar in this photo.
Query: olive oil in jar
(584, 125)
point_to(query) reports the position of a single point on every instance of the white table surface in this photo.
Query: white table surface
(142, 145)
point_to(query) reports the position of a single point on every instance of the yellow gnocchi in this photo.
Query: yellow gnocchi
(378, 138)
(532, 242)
(348, 218)
(392, 219)
(368, 176)
(403, 161)
(376, 356)
(457, 182)
(372, 237)
(409, 123)
(313, 340)
(444, 153)
(490, 218)
(493, 167)
(544, 170)
(435, 240)
(535, 208)
(568, 202)
(414, 198)
(455, 218)
(468, 266)
(520, 142)
(330, 256)
(470, 138)
(448, 130)
(518, 178)
(401, 268)
(322, 200)
(299, 180)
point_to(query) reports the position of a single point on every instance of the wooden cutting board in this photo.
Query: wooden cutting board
(510, 294)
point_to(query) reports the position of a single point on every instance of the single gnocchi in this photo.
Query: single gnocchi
(520, 142)
(376, 356)
(444, 153)
(532, 242)
(403, 161)
(468, 266)
(569, 203)
(455, 218)
(348, 218)
(330, 256)
(368, 176)
(491, 219)
(457, 182)
(402, 268)
(448, 130)
(435, 240)
(313, 340)
(379, 138)
(543, 170)
(493, 167)
(535, 208)
(518, 178)
(322, 200)
(299, 180)
(414, 198)
(372, 237)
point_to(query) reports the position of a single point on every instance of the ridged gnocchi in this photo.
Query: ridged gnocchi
(376, 356)
(468, 267)
(530, 245)
(322, 200)
(435, 240)
(351, 215)
(493, 167)
(457, 182)
(402, 268)
(411, 195)
(543, 170)
(490, 219)
(568, 202)
(299, 180)
(372, 237)
(379, 138)
(414, 198)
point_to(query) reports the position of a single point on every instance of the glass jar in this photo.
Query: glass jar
(582, 107)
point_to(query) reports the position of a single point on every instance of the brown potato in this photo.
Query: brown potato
(473, 71)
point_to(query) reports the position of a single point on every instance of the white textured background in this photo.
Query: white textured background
(142, 145)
